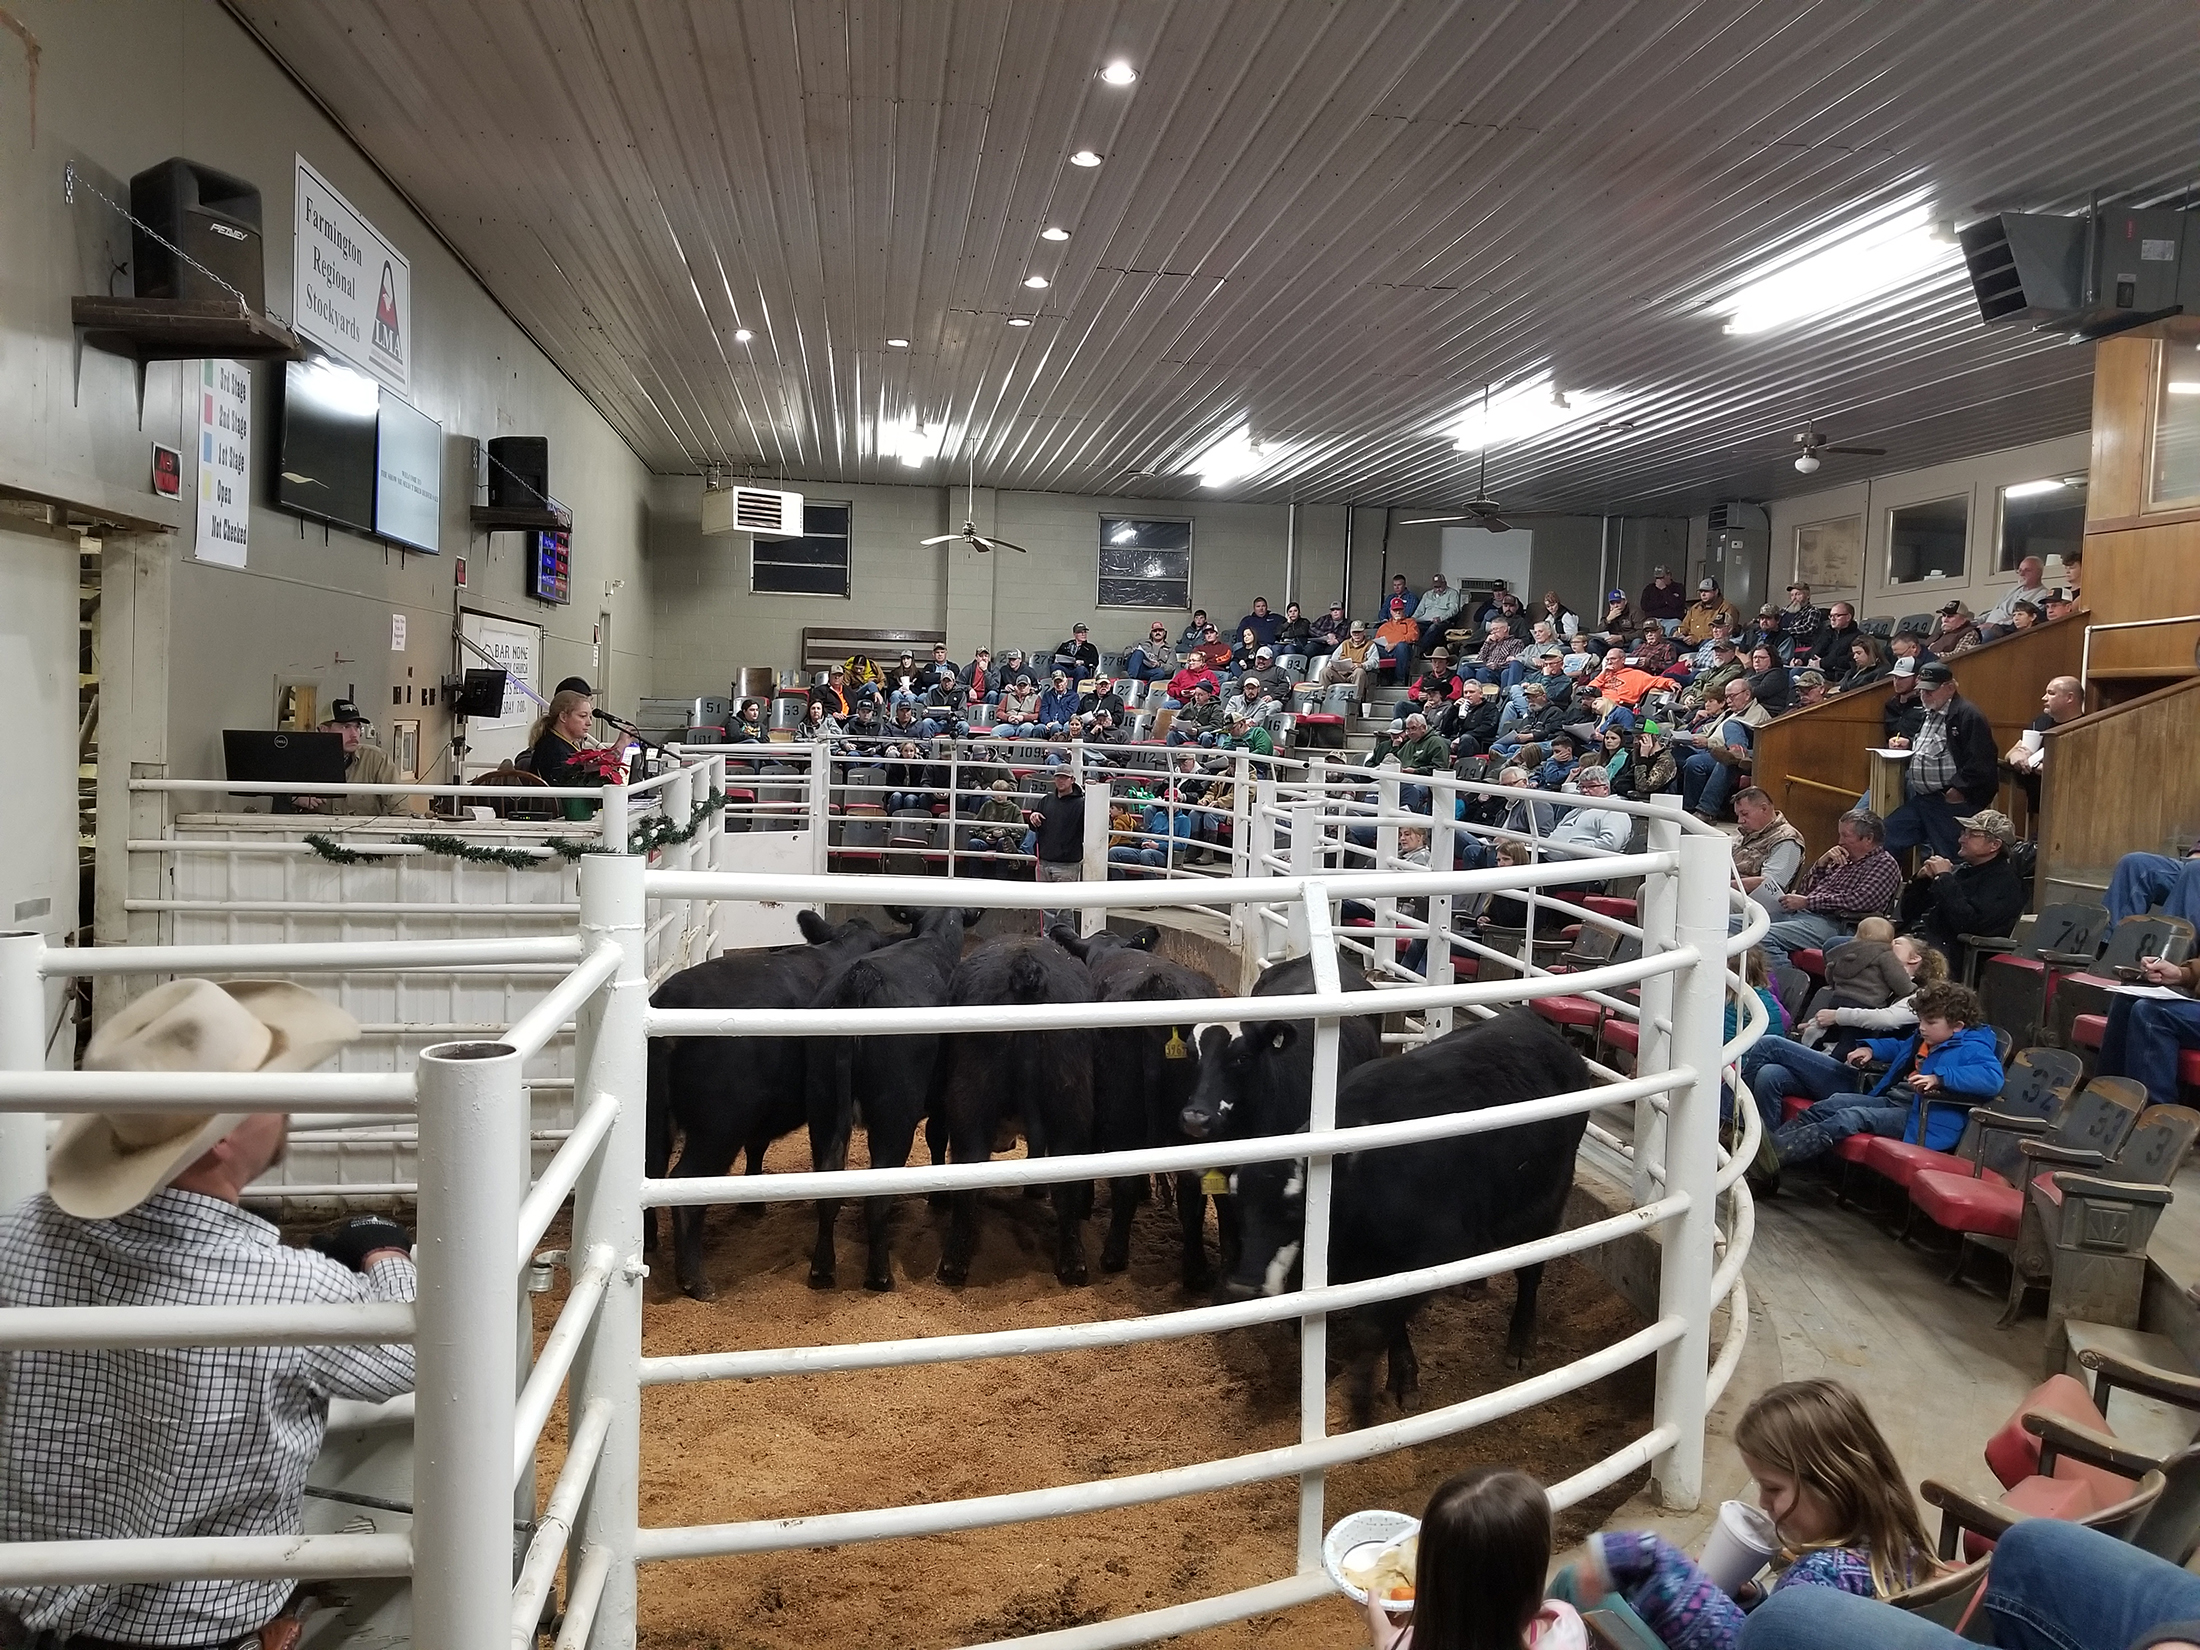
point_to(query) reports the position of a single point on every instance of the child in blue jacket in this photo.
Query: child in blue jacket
(1932, 1081)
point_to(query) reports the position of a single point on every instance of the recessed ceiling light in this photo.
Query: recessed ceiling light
(1054, 234)
(1084, 157)
(2032, 489)
(2183, 386)
(1119, 74)
(742, 335)
(1019, 320)
(1035, 282)
(897, 343)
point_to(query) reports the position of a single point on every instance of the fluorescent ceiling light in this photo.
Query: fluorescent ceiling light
(1236, 456)
(1119, 74)
(2183, 386)
(2032, 489)
(1125, 534)
(1084, 157)
(908, 441)
(742, 335)
(897, 343)
(1035, 282)
(1523, 411)
(1052, 234)
(1840, 271)
(1019, 320)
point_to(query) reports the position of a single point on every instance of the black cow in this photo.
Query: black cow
(1258, 1078)
(1142, 1078)
(727, 1094)
(1405, 1207)
(1040, 1081)
(887, 1079)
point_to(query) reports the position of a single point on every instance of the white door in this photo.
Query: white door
(518, 648)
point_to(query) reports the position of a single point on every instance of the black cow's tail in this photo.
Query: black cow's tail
(863, 986)
(657, 1149)
(1027, 983)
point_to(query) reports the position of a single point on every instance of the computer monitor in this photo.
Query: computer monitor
(255, 756)
(483, 694)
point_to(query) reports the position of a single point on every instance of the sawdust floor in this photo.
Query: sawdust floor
(839, 1442)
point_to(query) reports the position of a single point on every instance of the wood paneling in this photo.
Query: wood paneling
(2150, 572)
(1813, 762)
(2119, 781)
(2123, 414)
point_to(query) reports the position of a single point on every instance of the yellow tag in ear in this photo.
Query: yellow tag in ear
(1215, 1183)
(1174, 1048)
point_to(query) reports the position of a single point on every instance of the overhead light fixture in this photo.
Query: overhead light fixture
(2033, 489)
(1050, 233)
(1119, 74)
(908, 441)
(1523, 411)
(1236, 456)
(1035, 282)
(2183, 386)
(1808, 462)
(1019, 320)
(1125, 534)
(897, 343)
(742, 335)
(1839, 271)
(1084, 157)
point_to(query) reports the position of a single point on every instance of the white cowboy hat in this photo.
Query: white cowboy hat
(105, 1165)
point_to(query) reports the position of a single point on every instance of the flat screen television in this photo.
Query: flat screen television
(550, 566)
(326, 466)
(408, 479)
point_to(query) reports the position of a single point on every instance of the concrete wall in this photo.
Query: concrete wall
(120, 89)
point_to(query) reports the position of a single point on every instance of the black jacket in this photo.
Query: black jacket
(1978, 763)
(1903, 716)
(1084, 653)
(1476, 723)
(1971, 899)
(1061, 827)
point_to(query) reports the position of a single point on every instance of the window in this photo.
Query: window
(2041, 518)
(2174, 476)
(1926, 541)
(1145, 563)
(816, 564)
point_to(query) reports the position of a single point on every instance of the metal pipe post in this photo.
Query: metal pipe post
(1092, 918)
(1660, 916)
(473, 1173)
(614, 818)
(22, 1048)
(1686, 1258)
(612, 1057)
(1314, 1258)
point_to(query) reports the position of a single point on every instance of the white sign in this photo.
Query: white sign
(518, 648)
(408, 486)
(225, 462)
(350, 289)
(397, 632)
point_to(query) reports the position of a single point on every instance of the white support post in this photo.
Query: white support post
(1305, 862)
(614, 818)
(1443, 850)
(1314, 1256)
(611, 1056)
(473, 1174)
(821, 809)
(1093, 918)
(679, 804)
(1659, 912)
(1691, 1167)
(22, 1048)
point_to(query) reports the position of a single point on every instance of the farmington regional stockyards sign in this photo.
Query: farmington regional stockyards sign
(351, 289)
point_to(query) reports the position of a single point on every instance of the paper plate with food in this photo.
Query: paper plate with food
(1373, 1552)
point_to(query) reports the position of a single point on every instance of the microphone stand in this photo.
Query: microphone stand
(632, 732)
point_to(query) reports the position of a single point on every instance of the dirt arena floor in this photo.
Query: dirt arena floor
(831, 1443)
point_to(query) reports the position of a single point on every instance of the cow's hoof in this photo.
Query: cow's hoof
(821, 1278)
(698, 1289)
(1073, 1276)
(881, 1283)
(1198, 1280)
(1475, 1288)
(952, 1274)
(1114, 1260)
(1516, 1360)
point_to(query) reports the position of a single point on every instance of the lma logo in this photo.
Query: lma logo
(387, 338)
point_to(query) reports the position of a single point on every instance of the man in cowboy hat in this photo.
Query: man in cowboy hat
(142, 1210)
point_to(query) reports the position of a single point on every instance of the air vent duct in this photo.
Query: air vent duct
(758, 511)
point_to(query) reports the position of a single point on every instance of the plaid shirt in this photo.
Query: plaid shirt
(1866, 887)
(1932, 763)
(170, 1441)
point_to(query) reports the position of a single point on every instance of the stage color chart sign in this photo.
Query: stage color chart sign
(351, 290)
(224, 462)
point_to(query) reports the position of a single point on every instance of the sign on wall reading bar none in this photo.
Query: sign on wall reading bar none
(351, 290)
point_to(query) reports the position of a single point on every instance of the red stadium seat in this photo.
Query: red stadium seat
(1320, 731)
(1958, 1203)
(1621, 1034)
(2087, 1030)
(1793, 1107)
(1568, 1011)
(741, 796)
(1812, 961)
(1902, 1162)
(1607, 906)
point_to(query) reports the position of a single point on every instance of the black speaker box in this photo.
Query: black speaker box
(212, 217)
(519, 472)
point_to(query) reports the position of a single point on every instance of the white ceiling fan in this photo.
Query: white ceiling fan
(970, 534)
(1481, 509)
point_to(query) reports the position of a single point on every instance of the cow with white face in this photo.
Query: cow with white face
(1256, 1076)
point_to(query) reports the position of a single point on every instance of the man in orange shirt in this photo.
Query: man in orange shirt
(1395, 638)
(1621, 682)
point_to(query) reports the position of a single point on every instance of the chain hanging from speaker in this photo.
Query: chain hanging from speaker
(72, 180)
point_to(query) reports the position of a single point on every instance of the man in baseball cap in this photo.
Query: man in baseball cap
(365, 763)
(1979, 891)
(143, 1210)
(1954, 768)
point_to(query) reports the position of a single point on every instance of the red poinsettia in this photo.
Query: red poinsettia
(606, 766)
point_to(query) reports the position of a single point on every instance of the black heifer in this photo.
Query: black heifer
(1258, 1079)
(1142, 1078)
(1039, 1081)
(1405, 1207)
(888, 1080)
(727, 1094)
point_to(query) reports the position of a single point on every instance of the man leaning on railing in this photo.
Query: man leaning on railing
(143, 1443)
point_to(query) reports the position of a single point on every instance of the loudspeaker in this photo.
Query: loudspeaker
(213, 217)
(519, 472)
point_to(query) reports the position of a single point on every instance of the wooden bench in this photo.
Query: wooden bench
(824, 646)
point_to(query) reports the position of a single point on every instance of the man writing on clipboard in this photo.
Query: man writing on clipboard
(2151, 1026)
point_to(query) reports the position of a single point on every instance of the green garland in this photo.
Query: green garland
(646, 837)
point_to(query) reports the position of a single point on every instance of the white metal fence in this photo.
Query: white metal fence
(481, 1218)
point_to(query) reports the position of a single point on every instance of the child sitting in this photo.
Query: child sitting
(1485, 1546)
(1830, 1484)
(1931, 1081)
(1919, 961)
(1865, 973)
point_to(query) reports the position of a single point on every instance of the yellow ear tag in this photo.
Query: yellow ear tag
(1174, 1048)
(1214, 1183)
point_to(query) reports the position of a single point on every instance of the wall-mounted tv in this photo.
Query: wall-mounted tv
(326, 465)
(550, 566)
(408, 483)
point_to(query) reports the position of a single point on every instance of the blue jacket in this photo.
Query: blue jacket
(1968, 1066)
(1058, 707)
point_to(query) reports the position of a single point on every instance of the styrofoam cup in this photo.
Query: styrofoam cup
(1742, 1542)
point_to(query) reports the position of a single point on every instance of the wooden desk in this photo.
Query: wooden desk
(1889, 787)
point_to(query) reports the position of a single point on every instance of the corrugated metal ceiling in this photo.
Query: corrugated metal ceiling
(1335, 219)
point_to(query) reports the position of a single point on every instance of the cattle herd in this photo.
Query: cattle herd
(1070, 1092)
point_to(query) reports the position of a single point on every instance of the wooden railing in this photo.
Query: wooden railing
(1813, 763)
(2119, 781)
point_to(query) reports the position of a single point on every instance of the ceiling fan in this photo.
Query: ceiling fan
(1481, 509)
(1813, 444)
(970, 534)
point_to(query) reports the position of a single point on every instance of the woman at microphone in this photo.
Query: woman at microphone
(559, 735)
